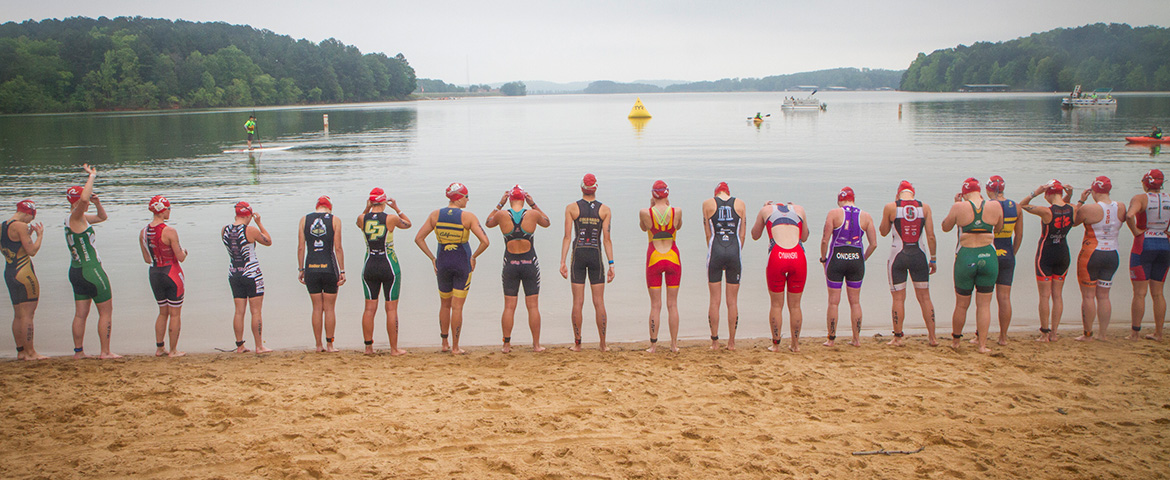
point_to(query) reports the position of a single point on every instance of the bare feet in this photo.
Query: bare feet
(108, 356)
(1134, 336)
(329, 349)
(35, 356)
(984, 350)
(398, 352)
(1042, 338)
(458, 351)
(577, 347)
(1053, 337)
(176, 353)
(674, 348)
(320, 349)
(260, 350)
(1002, 340)
(369, 350)
(1154, 337)
(507, 348)
(896, 342)
(1084, 338)
(160, 352)
(604, 347)
(731, 344)
(79, 355)
(955, 343)
(241, 349)
(932, 340)
(538, 348)
(829, 343)
(855, 342)
(653, 348)
(794, 347)
(715, 345)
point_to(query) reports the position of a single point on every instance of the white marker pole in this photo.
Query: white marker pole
(325, 117)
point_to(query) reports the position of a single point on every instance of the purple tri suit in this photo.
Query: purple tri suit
(846, 263)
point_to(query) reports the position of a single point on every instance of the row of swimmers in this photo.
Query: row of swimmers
(990, 235)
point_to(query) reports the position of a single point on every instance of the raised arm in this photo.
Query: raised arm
(1044, 213)
(1078, 217)
(258, 233)
(644, 220)
(403, 222)
(951, 219)
(101, 215)
(78, 211)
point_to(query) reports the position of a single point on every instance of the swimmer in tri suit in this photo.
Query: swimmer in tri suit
(1052, 256)
(586, 233)
(1098, 259)
(844, 261)
(454, 263)
(90, 283)
(661, 223)
(244, 275)
(18, 246)
(976, 265)
(1149, 259)
(322, 267)
(1007, 245)
(723, 218)
(520, 264)
(910, 220)
(787, 267)
(161, 250)
(381, 274)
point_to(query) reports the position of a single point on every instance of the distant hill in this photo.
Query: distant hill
(606, 86)
(129, 63)
(849, 78)
(1096, 56)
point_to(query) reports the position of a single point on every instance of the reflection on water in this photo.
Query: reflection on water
(546, 143)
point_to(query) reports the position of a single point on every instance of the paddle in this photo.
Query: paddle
(256, 131)
(765, 116)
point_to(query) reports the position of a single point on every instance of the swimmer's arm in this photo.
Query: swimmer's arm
(1122, 213)
(606, 240)
(1135, 205)
(172, 237)
(741, 209)
(403, 222)
(677, 218)
(421, 238)
(337, 245)
(870, 235)
(998, 224)
(644, 219)
(492, 218)
(78, 211)
(568, 235)
(887, 213)
(826, 235)
(1018, 234)
(708, 210)
(804, 231)
(301, 247)
(259, 233)
(542, 220)
(758, 228)
(361, 219)
(101, 212)
(928, 229)
(476, 229)
(951, 219)
(142, 245)
(31, 247)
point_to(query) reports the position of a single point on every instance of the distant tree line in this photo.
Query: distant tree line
(606, 86)
(1096, 56)
(126, 63)
(850, 78)
(430, 85)
(514, 89)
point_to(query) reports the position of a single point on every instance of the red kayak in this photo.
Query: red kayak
(1147, 140)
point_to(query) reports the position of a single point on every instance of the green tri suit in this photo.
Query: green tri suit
(85, 267)
(976, 268)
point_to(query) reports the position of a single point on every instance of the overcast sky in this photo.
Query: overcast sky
(624, 40)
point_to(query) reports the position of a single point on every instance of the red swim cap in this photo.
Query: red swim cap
(74, 193)
(722, 187)
(27, 206)
(243, 209)
(1102, 185)
(995, 184)
(1153, 179)
(846, 195)
(589, 183)
(377, 195)
(158, 204)
(324, 201)
(970, 185)
(1054, 188)
(456, 190)
(660, 190)
(516, 193)
(905, 185)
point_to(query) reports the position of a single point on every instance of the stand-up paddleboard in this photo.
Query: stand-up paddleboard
(259, 149)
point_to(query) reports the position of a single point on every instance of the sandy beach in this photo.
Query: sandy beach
(1069, 410)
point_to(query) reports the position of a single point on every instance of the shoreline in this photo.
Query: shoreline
(1074, 411)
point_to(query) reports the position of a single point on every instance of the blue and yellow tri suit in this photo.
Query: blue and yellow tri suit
(1004, 246)
(453, 260)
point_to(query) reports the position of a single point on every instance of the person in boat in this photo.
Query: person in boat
(758, 116)
(1157, 133)
(250, 128)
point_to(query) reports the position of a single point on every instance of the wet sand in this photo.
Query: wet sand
(1068, 410)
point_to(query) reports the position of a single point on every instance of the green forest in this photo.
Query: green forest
(851, 78)
(1096, 56)
(131, 63)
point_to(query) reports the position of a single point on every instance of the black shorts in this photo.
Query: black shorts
(521, 268)
(1007, 270)
(246, 287)
(249, 137)
(167, 284)
(724, 258)
(1052, 262)
(321, 282)
(845, 265)
(1096, 267)
(586, 263)
(909, 262)
(22, 283)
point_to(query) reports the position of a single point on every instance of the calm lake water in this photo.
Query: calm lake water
(545, 143)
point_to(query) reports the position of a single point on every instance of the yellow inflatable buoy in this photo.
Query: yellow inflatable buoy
(639, 110)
